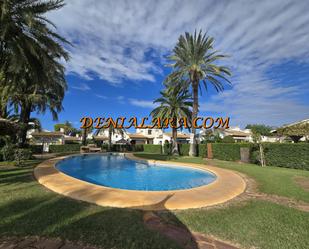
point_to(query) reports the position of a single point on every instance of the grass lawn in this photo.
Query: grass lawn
(27, 208)
(271, 180)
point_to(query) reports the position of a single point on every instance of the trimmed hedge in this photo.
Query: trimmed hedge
(64, 148)
(227, 151)
(294, 156)
(184, 149)
(36, 149)
(202, 150)
(123, 147)
(153, 148)
(288, 155)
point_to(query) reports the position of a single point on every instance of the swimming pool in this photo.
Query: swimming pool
(116, 171)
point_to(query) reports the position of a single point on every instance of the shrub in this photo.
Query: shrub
(227, 151)
(287, 155)
(228, 139)
(64, 148)
(120, 147)
(153, 148)
(7, 152)
(21, 155)
(36, 149)
(138, 147)
(104, 147)
(184, 149)
(202, 150)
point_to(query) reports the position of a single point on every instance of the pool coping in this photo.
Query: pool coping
(227, 186)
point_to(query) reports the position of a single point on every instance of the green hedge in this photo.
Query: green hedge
(36, 149)
(123, 147)
(64, 148)
(184, 149)
(227, 151)
(153, 148)
(202, 150)
(287, 155)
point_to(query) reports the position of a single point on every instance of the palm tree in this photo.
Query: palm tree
(175, 102)
(193, 63)
(31, 74)
(27, 39)
(29, 97)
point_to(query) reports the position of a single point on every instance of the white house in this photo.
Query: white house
(156, 136)
(238, 134)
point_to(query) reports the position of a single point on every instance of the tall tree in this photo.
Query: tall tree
(28, 39)
(32, 76)
(262, 129)
(175, 102)
(193, 64)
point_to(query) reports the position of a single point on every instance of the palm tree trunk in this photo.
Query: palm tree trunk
(109, 139)
(175, 144)
(192, 151)
(84, 136)
(24, 120)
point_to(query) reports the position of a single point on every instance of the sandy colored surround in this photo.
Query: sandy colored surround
(227, 185)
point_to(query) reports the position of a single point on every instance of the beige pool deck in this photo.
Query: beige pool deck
(227, 185)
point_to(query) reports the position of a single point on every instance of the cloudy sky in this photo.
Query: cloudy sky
(120, 48)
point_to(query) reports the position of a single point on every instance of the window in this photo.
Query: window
(149, 132)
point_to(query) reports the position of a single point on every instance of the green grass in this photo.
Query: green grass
(27, 208)
(271, 180)
(257, 224)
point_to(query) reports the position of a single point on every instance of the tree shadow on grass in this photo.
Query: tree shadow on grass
(79, 221)
(38, 212)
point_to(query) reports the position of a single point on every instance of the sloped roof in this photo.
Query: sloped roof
(72, 138)
(122, 141)
(47, 134)
(237, 133)
(179, 135)
(138, 136)
(100, 138)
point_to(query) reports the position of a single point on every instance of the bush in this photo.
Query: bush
(202, 150)
(21, 155)
(184, 149)
(228, 139)
(64, 148)
(153, 148)
(138, 147)
(120, 147)
(36, 149)
(287, 155)
(227, 151)
(7, 152)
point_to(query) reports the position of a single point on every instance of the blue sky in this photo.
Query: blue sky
(120, 48)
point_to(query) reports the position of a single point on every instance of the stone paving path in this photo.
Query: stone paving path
(182, 236)
(39, 243)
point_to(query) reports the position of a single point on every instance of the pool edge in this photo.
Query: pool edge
(227, 186)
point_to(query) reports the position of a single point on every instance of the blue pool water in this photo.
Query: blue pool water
(116, 171)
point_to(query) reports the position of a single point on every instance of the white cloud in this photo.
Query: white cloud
(143, 103)
(81, 87)
(122, 39)
(101, 96)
